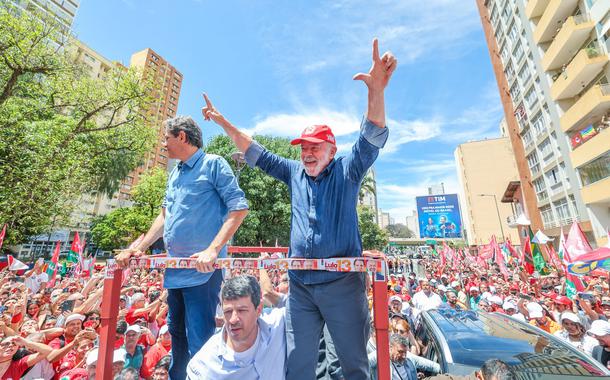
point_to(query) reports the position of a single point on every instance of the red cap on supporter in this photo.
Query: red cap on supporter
(316, 134)
(563, 300)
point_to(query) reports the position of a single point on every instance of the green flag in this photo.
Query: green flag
(539, 263)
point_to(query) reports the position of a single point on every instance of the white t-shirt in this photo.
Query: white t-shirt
(265, 360)
(35, 281)
(422, 302)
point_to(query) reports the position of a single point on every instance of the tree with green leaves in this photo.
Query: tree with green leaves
(399, 230)
(366, 186)
(373, 237)
(268, 221)
(122, 226)
(62, 132)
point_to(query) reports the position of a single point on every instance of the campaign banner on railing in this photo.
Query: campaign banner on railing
(338, 264)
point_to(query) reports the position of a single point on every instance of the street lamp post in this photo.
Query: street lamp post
(498, 211)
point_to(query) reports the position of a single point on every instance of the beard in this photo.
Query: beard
(320, 164)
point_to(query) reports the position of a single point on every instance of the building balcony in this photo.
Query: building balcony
(574, 32)
(591, 106)
(552, 19)
(535, 8)
(591, 149)
(596, 192)
(579, 73)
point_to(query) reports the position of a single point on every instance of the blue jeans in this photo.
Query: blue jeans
(343, 306)
(191, 321)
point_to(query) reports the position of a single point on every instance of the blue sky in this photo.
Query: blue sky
(275, 67)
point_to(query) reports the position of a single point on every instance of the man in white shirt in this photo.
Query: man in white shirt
(426, 299)
(36, 278)
(250, 346)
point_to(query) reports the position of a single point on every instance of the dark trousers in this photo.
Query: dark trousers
(191, 321)
(343, 306)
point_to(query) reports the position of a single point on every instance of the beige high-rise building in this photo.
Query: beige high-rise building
(169, 82)
(63, 10)
(551, 58)
(484, 168)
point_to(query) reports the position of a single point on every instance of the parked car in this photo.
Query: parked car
(462, 341)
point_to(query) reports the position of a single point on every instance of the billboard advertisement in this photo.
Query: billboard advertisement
(439, 216)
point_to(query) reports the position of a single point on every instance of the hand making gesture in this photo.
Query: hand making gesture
(379, 75)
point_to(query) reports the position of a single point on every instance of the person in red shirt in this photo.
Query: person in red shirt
(14, 369)
(76, 357)
(156, 352)
(139, 308)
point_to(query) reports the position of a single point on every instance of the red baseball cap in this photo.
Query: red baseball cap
(316, 134)
(563, 300)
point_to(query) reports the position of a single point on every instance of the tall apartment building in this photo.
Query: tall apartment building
(484, 168)
(549, 57)
(412, 223)
(63, 10)
(169, 82)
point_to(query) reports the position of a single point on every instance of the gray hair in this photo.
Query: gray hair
(497, 369)
(242, 286)
(188, 126)
(396, 339)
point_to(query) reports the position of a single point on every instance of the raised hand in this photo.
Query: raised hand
(379, 75)
(209, 111)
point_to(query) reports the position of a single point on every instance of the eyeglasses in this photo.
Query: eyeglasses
(94, 318)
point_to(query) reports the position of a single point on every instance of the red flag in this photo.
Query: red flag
(553, 256)
(16, 265)
(576, 244)
(528, 258)
(2, 235)
(513, 252)
(52, 269)
(499, 258)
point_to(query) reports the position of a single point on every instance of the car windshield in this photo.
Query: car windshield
(474, 338)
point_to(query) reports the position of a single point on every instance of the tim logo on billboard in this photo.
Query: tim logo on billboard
(439, 216)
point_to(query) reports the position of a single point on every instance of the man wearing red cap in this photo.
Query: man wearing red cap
(324, 194)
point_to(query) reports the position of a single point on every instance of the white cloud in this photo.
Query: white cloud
(292, 124)
(410, 28)
(403, 132)
(345, 125)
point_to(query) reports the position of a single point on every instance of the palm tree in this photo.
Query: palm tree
(366, 186)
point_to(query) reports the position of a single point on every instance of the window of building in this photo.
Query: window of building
(547, 216)
(509, 72)
(563, 210)
(504, 53)
(513, 33)
(525, 74)
(527, 137)
(539, 185)
(505, 15)
(533, 163)
(538, 123)
(515, 91)
(531, 97)
(518, 53)
(595, 170)
(552, 176)
(545, 147)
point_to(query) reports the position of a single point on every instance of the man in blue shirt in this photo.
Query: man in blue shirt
(324, 194)
(203, 208)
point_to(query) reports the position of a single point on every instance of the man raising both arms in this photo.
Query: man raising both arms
(324, 194)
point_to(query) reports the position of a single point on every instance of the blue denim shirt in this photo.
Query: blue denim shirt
(200, 193)
(324, 220)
